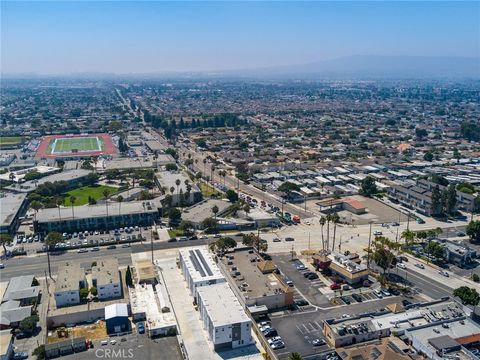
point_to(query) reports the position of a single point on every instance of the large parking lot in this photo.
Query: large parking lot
(86, 239)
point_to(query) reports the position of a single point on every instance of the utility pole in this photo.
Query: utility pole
(369, 243)
(151, 240)
(308, 241)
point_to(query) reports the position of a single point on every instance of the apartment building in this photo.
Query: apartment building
(106, 278)
(223, 317)
(70, 279)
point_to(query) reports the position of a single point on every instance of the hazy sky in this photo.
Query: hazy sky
(138, 37)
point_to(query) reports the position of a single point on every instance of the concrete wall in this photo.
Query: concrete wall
(76, 317)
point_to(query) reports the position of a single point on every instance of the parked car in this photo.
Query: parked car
(300, 267)
(406, 302)
(141, 328)
(385, 292)
(335, 286)
(278, 345)
(20, 355)
(270, 332)
(276, 239)
(346, 300)
(318, 342)
(378, 293)
(301, 302)
(307, 274)
(289, 239)
(357, 297)
(2, 266)
(274, 339)
(312, 276)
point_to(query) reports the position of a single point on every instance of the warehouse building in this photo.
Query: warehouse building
(98, 217)
(199, 269)
(223, 317)
(116, 319)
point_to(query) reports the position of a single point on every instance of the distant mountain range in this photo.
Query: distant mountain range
(343, 68)
(372, 66)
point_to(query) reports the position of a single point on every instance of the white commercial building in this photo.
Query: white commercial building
(223, 317)
(106, 278)
(199, 269)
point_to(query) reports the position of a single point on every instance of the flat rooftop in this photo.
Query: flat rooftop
(67, 175)
(345, 263)
(411, 318)
(106, 272)
(222, 305)
(69, 276)
(456, 330)
(257, 283)
(200, 264)
(203, 210)
(98, 210)
(11, 204)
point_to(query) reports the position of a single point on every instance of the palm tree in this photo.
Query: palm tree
(106, 193)
(335, 219)
(408, 235)
(215, 210)
(328, 218)
(119, 200)
(72, 202)
(295, 356)
(212, 171)
(5, 239)
(196, 162)
(51, 240)
(59, 202)
(204, 163)
(36, 205)
(322, 224)
(177, 182)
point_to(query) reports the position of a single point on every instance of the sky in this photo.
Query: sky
(153, 36)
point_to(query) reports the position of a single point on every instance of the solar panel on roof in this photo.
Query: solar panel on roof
(205, 265)
(195, 263)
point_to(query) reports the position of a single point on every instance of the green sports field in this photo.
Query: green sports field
(80, 144)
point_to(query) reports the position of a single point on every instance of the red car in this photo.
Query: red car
(335, 286)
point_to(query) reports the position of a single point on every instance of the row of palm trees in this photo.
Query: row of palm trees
(330, 218)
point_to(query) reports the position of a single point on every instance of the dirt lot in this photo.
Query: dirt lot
(95, 331)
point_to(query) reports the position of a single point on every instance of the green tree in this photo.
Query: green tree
(295, 356)
(436, 207)
(174, 215)
(119, 200)
(223, 244)
(215, 211)
(106, 194)
(187, 227)
(473, 230)
(72, 203)
(408, 236)
(29, 324)
(128, 277)
(39, 352)
(435, 250)
(5, 239)
(93, 291)
(232, 196)
(428, 156)
(369, 187)
(51, 240)
(83, 293)
(475, 277)
(36, 205)
(288, 187)
(255, 241)
(469, 296)
(210, 225)
(450, 200)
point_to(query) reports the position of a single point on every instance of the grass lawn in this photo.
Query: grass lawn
(207, 190)
(84, 192)
(10, 140)
(175, 233)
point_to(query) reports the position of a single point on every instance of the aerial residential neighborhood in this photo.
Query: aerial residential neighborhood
(240, 180)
